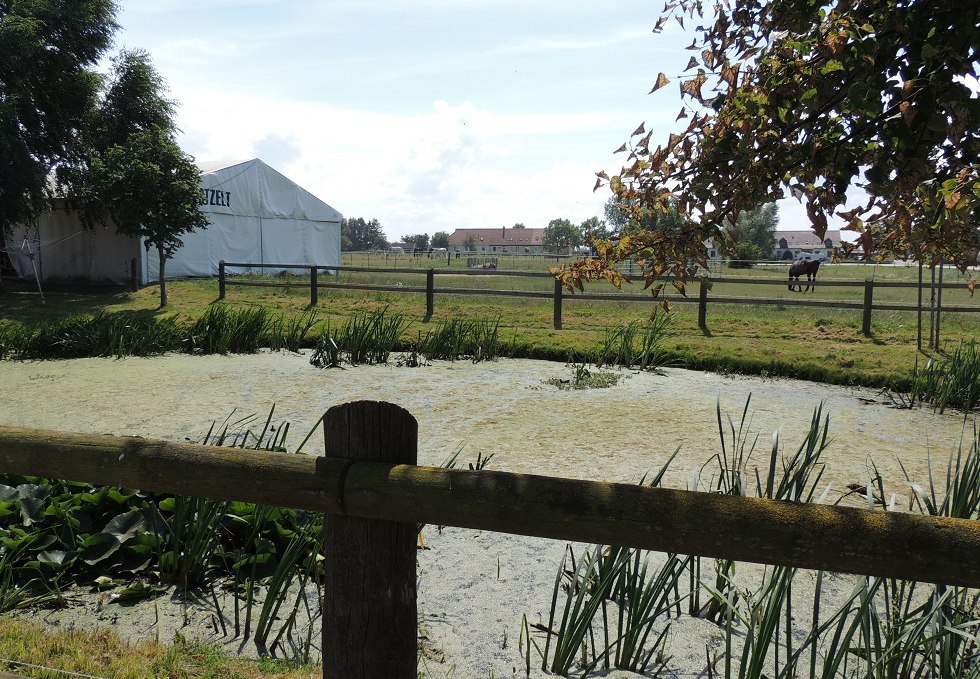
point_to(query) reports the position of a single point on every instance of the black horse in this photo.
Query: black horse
(800, 267)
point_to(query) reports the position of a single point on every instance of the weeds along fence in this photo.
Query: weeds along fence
(557, 294)
(374, 496)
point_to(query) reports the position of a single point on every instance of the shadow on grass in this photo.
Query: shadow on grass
(20, 301)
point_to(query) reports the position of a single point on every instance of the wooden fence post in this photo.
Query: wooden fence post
(221, 279)
(869, 288)
(370, 624)
(314, 290)
(703, 307)
(429, 294)
(558, 295)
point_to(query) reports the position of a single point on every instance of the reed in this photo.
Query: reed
(457, 338)
(370, 337)
(636, 345)
(952, 382)
(106, 334)
(222, 330)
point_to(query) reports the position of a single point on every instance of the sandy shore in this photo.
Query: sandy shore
(474, 587)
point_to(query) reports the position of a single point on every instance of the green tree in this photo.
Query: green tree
(519, 225)
(421, 241)
(469, 243)
(594, 228)
(133, 101)
(808, 98)
(758, 227)
(633, 219)
(562, 235)
(48, 86)
(358, 235)
(151, 190)
(440, 239)
(746, 255)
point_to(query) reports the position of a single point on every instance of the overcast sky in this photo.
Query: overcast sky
(429, 115)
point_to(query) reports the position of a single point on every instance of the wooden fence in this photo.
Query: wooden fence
(866, 306)
(373, 495)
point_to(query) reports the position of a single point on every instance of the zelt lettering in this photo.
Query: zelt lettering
(215, 197)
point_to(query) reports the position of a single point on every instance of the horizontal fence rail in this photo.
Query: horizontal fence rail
(373, 496)
(841, 539)
(867, 306)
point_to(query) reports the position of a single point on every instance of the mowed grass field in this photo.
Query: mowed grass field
(823, 344)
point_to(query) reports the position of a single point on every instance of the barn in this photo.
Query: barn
(257, 215)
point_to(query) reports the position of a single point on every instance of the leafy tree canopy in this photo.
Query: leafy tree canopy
(808, 98)
(358, 235)
(561, 233)
(594, 228)
(48, 51)
(758, 228)
(440, 239)
(150, 189)
(133, 102)
(519, 225)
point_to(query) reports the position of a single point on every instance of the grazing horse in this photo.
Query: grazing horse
(800, 267)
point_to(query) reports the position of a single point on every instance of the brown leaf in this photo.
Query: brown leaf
(971, 286)
(682, 114)
(692, 87)
(908, 112)
(621, 148)
(661, 81)
(639, 130)
(598, 184)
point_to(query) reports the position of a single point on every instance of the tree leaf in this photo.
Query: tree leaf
(661, 81)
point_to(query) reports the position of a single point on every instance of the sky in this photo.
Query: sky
(428, 115)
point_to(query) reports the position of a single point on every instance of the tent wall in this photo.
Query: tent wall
(64, 251)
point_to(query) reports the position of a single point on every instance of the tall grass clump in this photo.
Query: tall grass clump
(222, 330)
(106, 334)
(952, 382)
(370, 337)
(636, 345)
(478, 340)
(290, 334)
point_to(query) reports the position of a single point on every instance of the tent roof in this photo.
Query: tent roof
(277, 195)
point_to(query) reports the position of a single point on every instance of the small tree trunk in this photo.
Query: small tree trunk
(163, 277)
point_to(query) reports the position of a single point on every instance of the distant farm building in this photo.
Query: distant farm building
(792, 244)
(521, 241)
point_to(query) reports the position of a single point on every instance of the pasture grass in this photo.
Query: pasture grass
(819, 344)
(102, 653)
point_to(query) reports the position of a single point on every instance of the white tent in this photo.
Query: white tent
(258, 216)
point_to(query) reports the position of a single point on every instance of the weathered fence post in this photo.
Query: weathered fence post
(429, 294)
(558, 295)
(221, 279)
(869, 290)
(314, 290)
(370, 624)
(703, 307)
